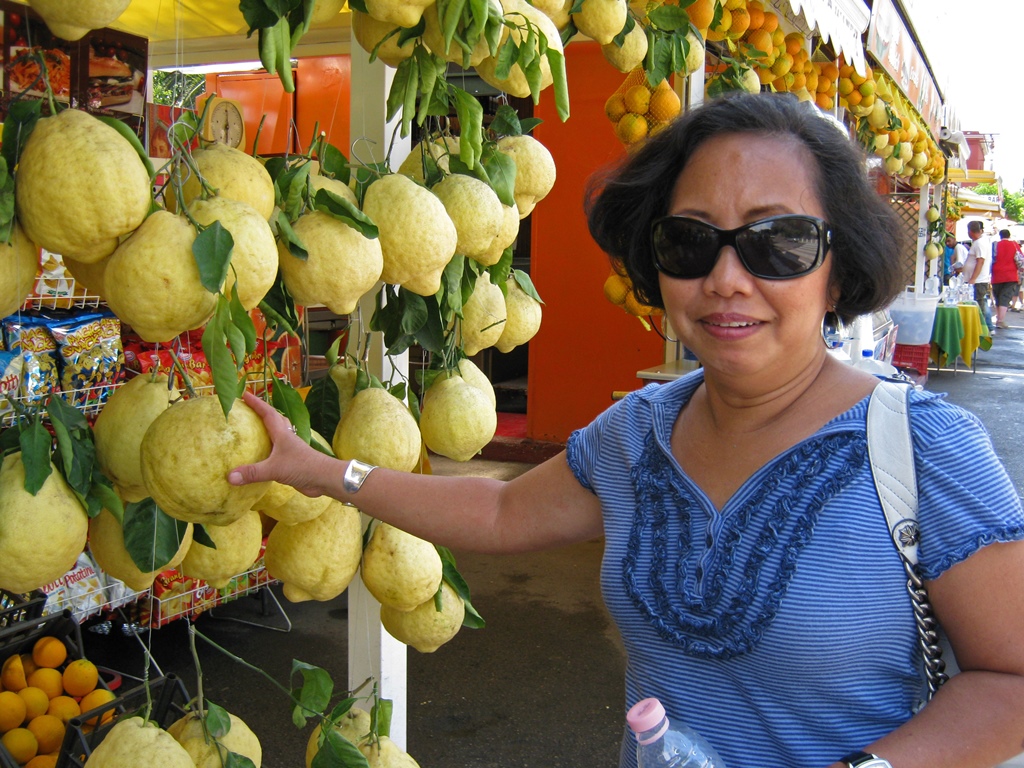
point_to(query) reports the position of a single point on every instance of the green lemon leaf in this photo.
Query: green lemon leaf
(276, 167)
(620, 38)
(74, 446)
(151, 536)
(257, 14)
(471, 120)
(294, 190)
(289, 402)
(6, 202)
(346, 211)
(222, 364)
(279, 308)
(36, 444)
(335, 750)
(568, 33)
(556, 62)
(235, 760)
(524, 281)
(380, 717)
(314, 695)
(295, 245)
(333, 163)
(501, 173)
(236, 343)
(324, 407)
(431, 335)
(212, 252)
(506, 122)
(396, 96)
(242, 320)
(218, 722)
(669, 18)
(455, 580)
(414, 311)
(21, 120)
(103, 496)
(200, 535)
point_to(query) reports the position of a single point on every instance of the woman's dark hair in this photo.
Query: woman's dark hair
(867, 237)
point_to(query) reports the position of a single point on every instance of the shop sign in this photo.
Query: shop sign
(892, 45)
(842, 22)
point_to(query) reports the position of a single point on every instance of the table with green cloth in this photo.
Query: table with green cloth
(959, 331)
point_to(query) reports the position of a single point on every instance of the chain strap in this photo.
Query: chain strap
(927, 630)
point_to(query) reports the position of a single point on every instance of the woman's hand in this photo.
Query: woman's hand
(291, 461)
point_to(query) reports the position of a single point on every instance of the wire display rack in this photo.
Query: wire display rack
(187, 598)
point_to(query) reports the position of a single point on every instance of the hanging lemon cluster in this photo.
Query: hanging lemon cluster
(890, 127)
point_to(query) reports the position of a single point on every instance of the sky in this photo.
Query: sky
(974, 49)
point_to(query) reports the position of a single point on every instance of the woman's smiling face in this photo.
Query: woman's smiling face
(735, 323)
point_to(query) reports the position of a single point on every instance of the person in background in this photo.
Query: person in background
(978, 268)
(1005, 283)
(953, 258)
(747, 563)
(1018, 303)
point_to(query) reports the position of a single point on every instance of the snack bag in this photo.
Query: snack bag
(31, 338)
(10, 382)
(91, 358)
(80, 590)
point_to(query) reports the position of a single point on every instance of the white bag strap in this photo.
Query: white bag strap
(891, 453)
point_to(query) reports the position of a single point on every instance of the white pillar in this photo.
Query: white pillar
(372, 652)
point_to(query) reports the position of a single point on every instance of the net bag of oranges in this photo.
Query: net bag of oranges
(639, 109)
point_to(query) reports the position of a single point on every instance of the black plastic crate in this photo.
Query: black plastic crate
(20, 636)
(15, 607)
(169, 701)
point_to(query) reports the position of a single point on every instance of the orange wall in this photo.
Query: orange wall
(322, 95)
(260, 94)
(321, 99)
(586, 347)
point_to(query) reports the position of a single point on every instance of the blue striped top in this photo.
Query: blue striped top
(779, 627)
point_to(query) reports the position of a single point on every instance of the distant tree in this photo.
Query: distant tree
(177, 89)
(1013, 205)
(985, 189)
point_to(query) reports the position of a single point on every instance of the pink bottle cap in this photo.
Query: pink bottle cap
(645, 715)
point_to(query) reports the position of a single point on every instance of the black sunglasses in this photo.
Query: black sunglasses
(776, 248)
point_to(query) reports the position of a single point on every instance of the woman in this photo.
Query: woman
(747, 562)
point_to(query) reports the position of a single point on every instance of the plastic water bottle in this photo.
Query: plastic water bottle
(868, 363)
(661, 746)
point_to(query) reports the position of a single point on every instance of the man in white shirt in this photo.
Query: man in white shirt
(978, 267)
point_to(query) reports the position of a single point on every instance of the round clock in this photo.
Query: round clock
(225, 122)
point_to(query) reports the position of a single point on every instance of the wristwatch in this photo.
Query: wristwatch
(865, 760)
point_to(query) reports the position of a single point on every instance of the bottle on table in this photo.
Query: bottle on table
(662, 745)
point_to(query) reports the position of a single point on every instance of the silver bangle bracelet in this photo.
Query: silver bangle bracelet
(355, 475)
